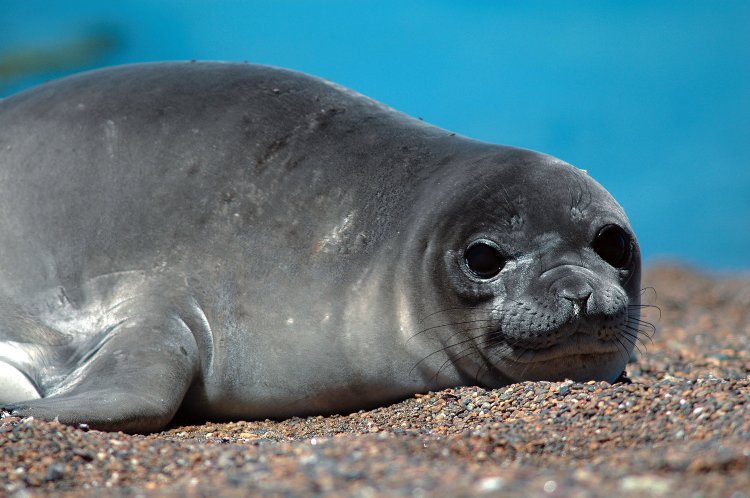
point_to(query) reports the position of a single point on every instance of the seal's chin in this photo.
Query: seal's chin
(576, 345)
(580, 358)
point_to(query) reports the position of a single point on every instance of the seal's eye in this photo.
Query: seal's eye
(483, 260)
(614, 246)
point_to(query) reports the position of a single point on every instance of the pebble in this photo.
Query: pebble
(681, 427)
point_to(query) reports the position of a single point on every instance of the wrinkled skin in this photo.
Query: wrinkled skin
(224, 241)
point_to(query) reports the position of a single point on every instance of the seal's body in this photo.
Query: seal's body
(246, 242)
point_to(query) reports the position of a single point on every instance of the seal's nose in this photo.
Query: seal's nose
(576, 292)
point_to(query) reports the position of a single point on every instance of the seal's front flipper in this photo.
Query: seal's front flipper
(14, 385)
(134, 382)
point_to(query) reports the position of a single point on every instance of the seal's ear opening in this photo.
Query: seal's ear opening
(614, 246)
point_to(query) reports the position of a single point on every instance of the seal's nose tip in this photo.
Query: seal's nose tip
(576, 293)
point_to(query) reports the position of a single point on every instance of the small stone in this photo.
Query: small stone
(55, 472)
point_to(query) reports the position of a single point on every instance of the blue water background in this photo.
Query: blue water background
(651, 97)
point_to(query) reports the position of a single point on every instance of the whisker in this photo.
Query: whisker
(450, 324)
(632, 340)
(646, 332)
(494, 337)
(506, 348)
(463, 331)
(479, 338)
(646, 306)
(633, 332)
(455, 359)
(639, 330)
(461, 308)
(643, 322)
(446, 349)
(639, 339)
(622, 349)
(643, 291)
(486, 341)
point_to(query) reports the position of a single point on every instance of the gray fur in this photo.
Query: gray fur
(239, 241)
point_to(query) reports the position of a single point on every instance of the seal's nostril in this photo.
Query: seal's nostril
(578, 295)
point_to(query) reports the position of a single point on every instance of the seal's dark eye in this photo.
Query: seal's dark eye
(613, 245)
(483, 260)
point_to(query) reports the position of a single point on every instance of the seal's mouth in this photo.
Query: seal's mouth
(577, 345)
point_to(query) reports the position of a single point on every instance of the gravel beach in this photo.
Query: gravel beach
(680, 427)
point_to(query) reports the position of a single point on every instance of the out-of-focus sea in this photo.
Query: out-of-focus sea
(651, 97)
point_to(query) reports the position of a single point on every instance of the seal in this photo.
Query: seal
(219, 241)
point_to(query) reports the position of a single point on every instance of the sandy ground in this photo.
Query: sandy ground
(681, 428)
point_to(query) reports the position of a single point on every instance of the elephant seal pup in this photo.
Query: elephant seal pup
(225, 241)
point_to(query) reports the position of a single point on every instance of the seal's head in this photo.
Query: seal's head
(535, 272)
